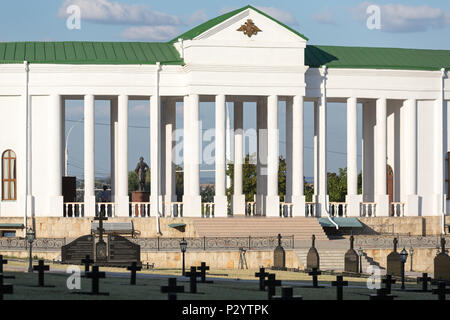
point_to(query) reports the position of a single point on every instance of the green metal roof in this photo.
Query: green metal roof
(376, 58)
(89, 53)
(341, 222)
(191, 34)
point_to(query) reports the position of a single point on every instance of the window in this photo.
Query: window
(9, 182)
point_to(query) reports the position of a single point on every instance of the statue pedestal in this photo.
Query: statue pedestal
(139, 196)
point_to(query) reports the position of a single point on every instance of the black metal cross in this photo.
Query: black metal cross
(41, 268)
(172, 289)
(441, 291)
(287, 293)
(87, 262)
(2, 262)
(314, 273)
(100, 229)
(193, 275)
(443, 245)
(133, 268)
(382, 294)
(271, 283)
(339, 284)
(425, 279)
(352, 241)
(95, 275)
(262, 274)
(5, 288)
(313, 241)
(388, 281)
(279, 239)
(395, 244)
(203, 267)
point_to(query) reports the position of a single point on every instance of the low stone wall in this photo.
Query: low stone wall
(71, 228)
(423, 258)
(415, 226)
(215, 259)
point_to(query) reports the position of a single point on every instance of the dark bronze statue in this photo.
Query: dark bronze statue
(141, 171)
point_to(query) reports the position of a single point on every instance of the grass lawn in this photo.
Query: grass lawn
(149, 283)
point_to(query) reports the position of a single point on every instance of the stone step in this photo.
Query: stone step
(301, 227)
(330, 259)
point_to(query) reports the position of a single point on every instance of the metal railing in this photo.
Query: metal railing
(214, 243)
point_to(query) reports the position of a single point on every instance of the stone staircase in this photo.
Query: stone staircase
(333, 259)
(300, 227)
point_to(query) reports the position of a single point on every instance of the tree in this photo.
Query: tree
(337, 185)
(207, 194)
(249, 179)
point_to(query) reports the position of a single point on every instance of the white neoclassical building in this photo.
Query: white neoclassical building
(241, 56)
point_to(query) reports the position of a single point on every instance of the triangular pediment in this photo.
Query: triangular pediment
(244, 24)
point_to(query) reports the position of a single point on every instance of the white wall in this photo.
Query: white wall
(425, 150)
(39, 154)
(12, 136)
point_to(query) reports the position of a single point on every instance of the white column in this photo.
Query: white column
(298, 197)
(122, 198)
(155, 157)
(289, 146)
(272, 198)
(412, 200)
(220, 198)
(56, 201)
(382, 198)
(261, 166)
(238, 196)
(353, 199)
(169, 125)
(89, 164)
(193, 201)
(186, 146)
(316, 152)
(323, 168)
(114, 140)
(440, 148)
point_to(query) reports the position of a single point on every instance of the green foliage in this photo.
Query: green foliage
(207, 194)
(337, 185)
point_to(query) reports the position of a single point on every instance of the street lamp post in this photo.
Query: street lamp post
(404, 255)
(360, 254)
(411, 253)
(183, 247)
(31, 235)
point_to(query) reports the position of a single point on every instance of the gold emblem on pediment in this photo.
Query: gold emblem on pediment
(249, 28)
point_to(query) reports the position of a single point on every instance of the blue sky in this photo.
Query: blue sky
(407, 24)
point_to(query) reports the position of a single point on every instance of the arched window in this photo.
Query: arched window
(9, 181)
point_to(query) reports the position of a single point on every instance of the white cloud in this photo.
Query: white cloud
(325, 17)
(155, 33)
(403, 18)
(110, 12)
(280, 15)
